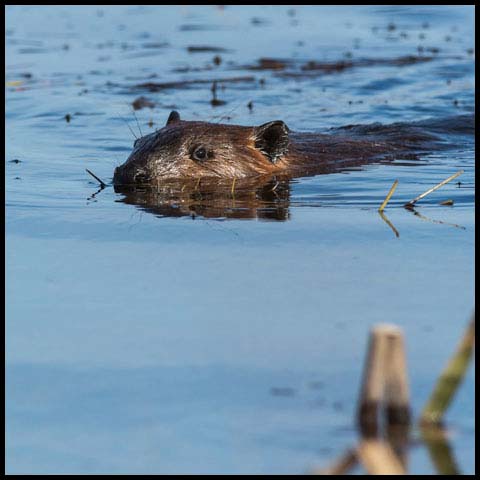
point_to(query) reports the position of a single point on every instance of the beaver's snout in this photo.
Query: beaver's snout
(129, 174)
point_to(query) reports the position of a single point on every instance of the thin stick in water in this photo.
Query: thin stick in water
(436, 187)
(389, 195)
(102, 184)
(450, 379)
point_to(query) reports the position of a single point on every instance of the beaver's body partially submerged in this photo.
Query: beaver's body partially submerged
(201, 150)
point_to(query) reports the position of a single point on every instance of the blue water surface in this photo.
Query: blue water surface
(138, 344)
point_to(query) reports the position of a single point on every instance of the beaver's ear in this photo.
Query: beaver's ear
(174, 117)
(272, 139)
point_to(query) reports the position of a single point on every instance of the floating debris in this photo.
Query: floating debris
(282, 391)
(102, 184)
(142, 102)
(206, 48)
(157, 86)
(215, 102)
(389, 195)
(410, 204)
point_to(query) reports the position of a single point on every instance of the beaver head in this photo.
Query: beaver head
(184, 149)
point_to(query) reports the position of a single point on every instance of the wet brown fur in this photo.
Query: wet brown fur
(241, 152)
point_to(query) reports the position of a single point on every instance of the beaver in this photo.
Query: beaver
(186, 150)
(228, 171)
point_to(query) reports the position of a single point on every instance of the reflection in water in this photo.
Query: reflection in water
(257, 198)
(440, 451)
(264, 197)
(440, 222)
(398, 436)
(389, 223)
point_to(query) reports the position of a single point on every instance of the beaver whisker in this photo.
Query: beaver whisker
(131, 131)
(136, 119)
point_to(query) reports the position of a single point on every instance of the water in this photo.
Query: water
(146, 344)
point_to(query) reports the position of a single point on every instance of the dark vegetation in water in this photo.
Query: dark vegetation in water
(158, 86)
(142, 102)
(205, 48)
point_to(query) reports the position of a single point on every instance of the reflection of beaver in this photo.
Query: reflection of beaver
(262, 198)
(227, 170)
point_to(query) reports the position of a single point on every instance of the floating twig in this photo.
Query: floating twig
(447, 202)
(436, 187)
(102, 184)
(450, 379)
(387, 198)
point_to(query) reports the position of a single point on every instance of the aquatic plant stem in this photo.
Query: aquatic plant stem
(389, 195)
(450, 379)
(436, 187)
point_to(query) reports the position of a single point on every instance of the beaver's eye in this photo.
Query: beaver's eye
(200, 154)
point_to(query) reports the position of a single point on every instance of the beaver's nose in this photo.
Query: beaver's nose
(117, 176)
(123, 176)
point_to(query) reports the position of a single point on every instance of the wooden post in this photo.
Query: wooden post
(384, 378)
(373, 381)
(397, 394)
